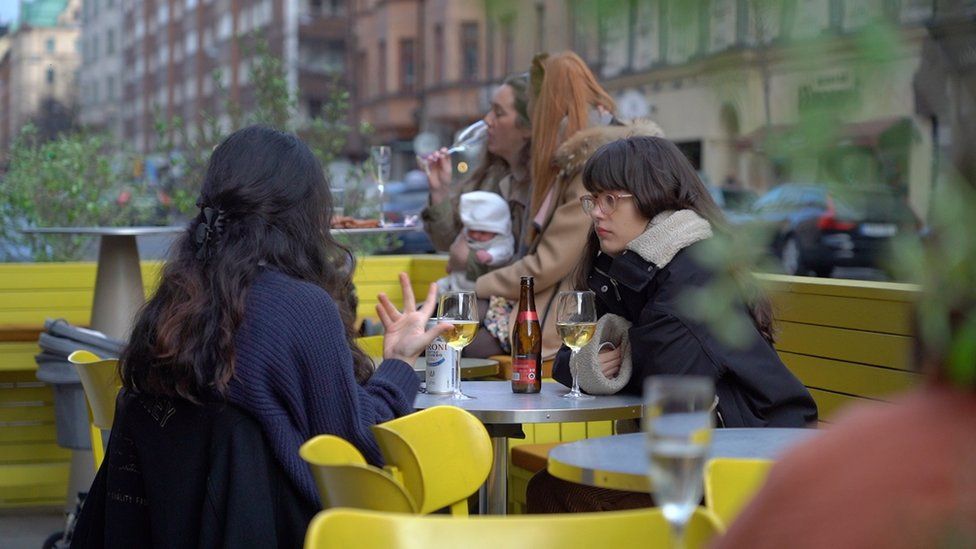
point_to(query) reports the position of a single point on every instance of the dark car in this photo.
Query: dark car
(736, 202)
(814, 229)
(402, 203)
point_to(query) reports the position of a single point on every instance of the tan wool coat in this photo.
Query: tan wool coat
(557, 248)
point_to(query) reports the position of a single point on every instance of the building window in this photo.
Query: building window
(49, 77)
(438, 53)
(314, 108)
(508, 44)
(382, 66)
(49, 45)
(540, 27)
(110, 42)
(362, 75)
(469, 51)
(408, 65)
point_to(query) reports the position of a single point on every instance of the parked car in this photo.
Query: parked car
(402, 203)
(814, 229)
(736, 202)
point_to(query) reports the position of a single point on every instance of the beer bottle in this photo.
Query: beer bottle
(527, 343)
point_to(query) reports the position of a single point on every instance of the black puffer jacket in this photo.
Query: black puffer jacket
(754, 387)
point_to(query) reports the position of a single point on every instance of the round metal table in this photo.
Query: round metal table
(118, 280)
(620, 461)
(503, 413)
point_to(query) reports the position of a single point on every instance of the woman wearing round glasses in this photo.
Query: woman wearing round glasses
(651, 216)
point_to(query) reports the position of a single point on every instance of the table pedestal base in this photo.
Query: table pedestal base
(493, 496)
(118, 286)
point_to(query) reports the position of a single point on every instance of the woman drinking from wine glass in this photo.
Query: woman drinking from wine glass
(252, 321)
(651, 218)
(503, 169)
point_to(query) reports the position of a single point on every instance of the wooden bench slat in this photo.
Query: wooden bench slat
(33, 452)
(829, 403)
(891, 351)
(849, 378)
(872, 315)
(840, 287)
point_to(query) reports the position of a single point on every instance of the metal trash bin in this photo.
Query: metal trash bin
(57, 342)
(70, 408)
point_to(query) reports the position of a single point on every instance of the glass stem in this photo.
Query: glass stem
(574, 372)
(677, 536)
(457, 372)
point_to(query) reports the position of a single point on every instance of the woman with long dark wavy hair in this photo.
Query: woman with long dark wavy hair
(255, 310)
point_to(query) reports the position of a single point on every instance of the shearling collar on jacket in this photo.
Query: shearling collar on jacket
(669, 233)
(573, 154)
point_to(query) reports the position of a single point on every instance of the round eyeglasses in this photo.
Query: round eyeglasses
(606, 201)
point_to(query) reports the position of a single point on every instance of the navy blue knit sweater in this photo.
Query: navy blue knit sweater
(294, 374)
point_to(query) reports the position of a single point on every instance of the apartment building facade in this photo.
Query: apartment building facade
(102, 71)
(38, 65)
(190, 59)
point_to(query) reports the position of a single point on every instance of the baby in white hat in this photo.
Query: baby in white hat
(488, 230)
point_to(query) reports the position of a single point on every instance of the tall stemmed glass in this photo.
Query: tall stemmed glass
(470, 137)
(382, 158)
(678, 423)
(459, 309)
(576, 323)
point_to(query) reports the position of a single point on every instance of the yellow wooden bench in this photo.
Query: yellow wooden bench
(848, 341)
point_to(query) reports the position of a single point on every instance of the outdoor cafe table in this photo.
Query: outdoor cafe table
(118, 279)
(620, 461)
(503, 413)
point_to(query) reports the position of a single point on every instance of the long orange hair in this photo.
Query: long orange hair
(568, 89)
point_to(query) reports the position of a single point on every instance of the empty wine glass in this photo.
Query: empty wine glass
(382, 158)
(470, 137)
(460, 310)
(678, 424)
(575, 323)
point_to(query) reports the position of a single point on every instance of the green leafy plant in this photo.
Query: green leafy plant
(72, 180)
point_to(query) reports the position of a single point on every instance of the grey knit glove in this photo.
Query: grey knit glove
(613, 329)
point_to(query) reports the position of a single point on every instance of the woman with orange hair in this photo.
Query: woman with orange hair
(572, 116)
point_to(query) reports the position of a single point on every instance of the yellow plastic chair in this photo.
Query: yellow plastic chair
(730, 483)
(443, 454)
(371, 345)
(344, 479)
(101, 383)
(341, 528)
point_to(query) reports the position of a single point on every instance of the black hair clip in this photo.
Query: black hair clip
(208, 230)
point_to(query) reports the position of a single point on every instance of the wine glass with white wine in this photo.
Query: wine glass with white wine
(460, 310)
(678, 423)
(576, 324)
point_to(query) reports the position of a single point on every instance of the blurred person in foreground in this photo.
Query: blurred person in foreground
(572, 116)
(246, 351)
(901, 475)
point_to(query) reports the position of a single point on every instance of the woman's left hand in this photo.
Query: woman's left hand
(609, 362)
(404, 336)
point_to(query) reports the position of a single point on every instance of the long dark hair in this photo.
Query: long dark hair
(270, 207)
(661, 179)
